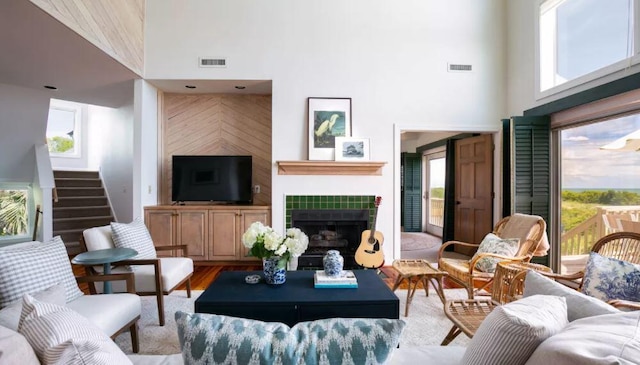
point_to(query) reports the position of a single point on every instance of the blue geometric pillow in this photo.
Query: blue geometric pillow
(217, 339)
(607, 278)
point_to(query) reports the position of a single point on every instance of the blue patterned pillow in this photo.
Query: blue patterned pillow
(217, 339)
(607, 278)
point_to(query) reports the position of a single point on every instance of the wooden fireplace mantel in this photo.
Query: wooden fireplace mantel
(330, 167)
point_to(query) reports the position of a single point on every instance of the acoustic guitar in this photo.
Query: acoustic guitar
(369, 253)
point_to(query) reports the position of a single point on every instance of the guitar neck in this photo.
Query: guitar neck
(373, 224)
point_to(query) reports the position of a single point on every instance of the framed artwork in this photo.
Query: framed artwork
(352, 149)
(328, 118)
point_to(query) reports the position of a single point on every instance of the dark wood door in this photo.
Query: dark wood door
(474, 188)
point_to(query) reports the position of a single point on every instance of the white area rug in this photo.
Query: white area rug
(426, 323)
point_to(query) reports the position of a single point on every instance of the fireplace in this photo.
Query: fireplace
(330, 229)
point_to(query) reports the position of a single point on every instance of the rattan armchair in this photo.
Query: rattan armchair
(623, 246)
(462, 268)
(467, 314)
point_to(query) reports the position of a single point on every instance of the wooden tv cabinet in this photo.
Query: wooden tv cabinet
(211, 232)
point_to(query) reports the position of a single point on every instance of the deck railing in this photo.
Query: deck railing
(436, 210)
(580, 239)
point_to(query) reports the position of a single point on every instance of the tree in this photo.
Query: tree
(60, 144)
(13, 212)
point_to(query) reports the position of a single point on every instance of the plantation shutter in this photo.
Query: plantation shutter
(527, 168)
(412, 192)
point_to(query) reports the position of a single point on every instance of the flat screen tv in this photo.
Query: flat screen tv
(221, 179)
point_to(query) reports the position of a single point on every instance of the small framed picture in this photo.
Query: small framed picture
(328, 118)
(352, 149)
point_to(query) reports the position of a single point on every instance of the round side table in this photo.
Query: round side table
(104, 257)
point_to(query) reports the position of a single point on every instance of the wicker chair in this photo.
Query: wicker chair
(461, 269)
(468, 314)
(623, 246)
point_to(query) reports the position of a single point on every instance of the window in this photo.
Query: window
(63, 129)
(580, 40)
(15, 207)
(599, 179)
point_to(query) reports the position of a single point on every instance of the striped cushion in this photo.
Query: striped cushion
(34, 266)
(510, 333)
(459, 269)
(59, 335)
(134, 235)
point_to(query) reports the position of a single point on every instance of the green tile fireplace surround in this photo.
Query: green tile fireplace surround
(293, 202)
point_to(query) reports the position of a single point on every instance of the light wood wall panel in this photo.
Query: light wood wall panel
(217, 124)
(114, 26)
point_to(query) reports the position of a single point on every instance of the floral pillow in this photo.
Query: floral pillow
(607, 278)
(499, 246)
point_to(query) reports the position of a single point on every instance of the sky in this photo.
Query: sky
(586, 165)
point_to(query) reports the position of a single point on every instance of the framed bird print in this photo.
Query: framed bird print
(328, 118)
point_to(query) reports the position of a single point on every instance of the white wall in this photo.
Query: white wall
(389, 57)
(115, 129)
(145, 162)
(23, 117)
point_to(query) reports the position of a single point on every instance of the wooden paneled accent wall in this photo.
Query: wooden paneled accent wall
(217, 124)
(114, 26)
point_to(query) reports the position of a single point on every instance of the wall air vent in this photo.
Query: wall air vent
(212, 62)
(459, 68)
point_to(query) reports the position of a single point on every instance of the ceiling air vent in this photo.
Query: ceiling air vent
(459, 68)
(212, 62)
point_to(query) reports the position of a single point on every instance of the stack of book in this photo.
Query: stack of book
(346, 279)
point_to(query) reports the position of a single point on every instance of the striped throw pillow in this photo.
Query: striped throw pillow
(60, 335)
(134, 235)
(512, 332)
(35, 266)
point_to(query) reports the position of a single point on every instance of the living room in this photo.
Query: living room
(392, 61)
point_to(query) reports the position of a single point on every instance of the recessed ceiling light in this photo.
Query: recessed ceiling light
(50, 87)
(239, 87)
(190, 86)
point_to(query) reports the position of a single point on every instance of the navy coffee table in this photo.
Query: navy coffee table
(297, 300)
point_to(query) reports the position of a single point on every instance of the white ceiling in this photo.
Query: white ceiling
(37, 50)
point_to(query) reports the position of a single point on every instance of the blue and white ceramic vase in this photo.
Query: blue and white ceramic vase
(333, 263)
(272, 273)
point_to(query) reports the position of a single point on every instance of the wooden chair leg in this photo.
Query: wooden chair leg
(453, 333)
(188, 287)
(160, 296)
(135, 344)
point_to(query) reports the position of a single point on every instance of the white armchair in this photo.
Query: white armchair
(43, 270)
(158, 276)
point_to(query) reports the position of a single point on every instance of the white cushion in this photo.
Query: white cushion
(606, 339)
(98, 238)
(607, 278)
(496, 245)
(33, 267)
(14, 348)
(110, 312)
(173, 269)
(59, 335)
(578, 304)
(134, 235)
(10, 315)
(511, 332)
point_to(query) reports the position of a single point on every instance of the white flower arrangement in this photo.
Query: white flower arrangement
(263, 242)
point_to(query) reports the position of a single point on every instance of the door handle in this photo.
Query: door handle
(458, 202)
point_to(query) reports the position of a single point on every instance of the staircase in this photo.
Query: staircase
(82, 203)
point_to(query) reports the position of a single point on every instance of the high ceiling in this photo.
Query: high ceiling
(37, 50)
